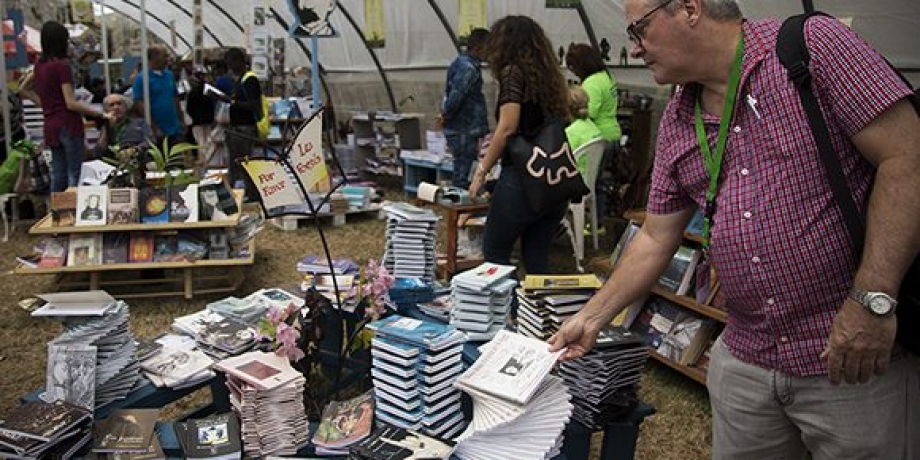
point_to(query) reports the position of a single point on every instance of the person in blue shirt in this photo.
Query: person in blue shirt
(463, 110)
(165, 112)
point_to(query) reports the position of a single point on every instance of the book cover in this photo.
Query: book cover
(541, 282)
(679, 274)
(55, 252)
(41, 420)
(215, 202)
(140, 247)
(214, 436)
(115, 247)
(154, 205)
(394, 443)
(126, 430)
(165, 248)
(123, 206)
(428, 334)
(346, 422)
(262, 370)
(71, 374)
(183, 203)
(483, 276)
(84, 249)
(64, 208)
(628, 233)
(92, 205)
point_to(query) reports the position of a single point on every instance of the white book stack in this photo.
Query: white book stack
(267, 394)
(519, 409)
(540, 316)
(178, 368)
(117, 370)
(481, 299)
(411, 233)
(414, 367)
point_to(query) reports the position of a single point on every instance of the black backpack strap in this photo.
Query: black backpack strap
(792, 52)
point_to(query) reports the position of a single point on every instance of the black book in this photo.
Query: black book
(215, 436)
(41, 420)
(393, 443)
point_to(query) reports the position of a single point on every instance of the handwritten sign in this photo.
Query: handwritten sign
(275, 186)
(306, 155)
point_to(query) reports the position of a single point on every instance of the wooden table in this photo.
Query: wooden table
(452, 214)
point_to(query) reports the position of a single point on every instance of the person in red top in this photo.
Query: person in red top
(54, 85)
(804, 363)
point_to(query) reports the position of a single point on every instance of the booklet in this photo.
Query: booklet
(78, 303)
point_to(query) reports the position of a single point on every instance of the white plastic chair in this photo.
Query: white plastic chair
(593, 152)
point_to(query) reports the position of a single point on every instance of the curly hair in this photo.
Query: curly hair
(519, 41)
(584, 60)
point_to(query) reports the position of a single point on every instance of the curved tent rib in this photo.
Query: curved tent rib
(383, 74)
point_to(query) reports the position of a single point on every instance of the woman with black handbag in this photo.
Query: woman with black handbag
(532, 95)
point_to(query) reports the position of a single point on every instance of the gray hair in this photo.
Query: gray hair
(720, 10)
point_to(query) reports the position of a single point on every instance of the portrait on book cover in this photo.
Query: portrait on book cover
(92, 210)
(72, 374)
(518, 363)
(213, 434)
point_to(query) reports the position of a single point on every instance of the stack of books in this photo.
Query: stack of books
(358, 197)
(344, 423)
(214, 438)
(408, 292)
(411, 234)
(178, 367)
(248, 310)
(92, 362)
(603, 382)
(267, 394)
(40, 429)
(482, 298)
(519, 409)
(128, 433)
(319, 266)
(415, 364)
(215, 334)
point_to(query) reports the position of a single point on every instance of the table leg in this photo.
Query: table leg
(452, 217)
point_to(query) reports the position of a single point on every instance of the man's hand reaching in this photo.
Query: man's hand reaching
(575, 336)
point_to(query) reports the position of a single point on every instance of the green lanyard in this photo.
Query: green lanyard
(714, 161)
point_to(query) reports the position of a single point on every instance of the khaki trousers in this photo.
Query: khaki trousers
(761, 414)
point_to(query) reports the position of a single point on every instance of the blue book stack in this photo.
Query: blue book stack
(408, 292)
(415, 364)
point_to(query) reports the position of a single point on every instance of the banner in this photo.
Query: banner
(14, 40)
(471, 15)
(310, 18)
(306, 155)
(198, 33)
(276, 187)
(571, 4)
(375, 28)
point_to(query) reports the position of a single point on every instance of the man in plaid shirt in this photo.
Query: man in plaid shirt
(802, 364)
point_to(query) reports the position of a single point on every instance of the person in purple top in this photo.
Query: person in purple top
(805, 363)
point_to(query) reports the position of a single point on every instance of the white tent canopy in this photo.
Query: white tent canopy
(416, 38)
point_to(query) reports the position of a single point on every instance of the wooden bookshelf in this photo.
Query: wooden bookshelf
(694, 373)
(638, 215)
(690, 304)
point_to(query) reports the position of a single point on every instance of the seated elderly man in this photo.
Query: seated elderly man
(121, 131)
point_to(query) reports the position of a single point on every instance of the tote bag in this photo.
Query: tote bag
(546, 165)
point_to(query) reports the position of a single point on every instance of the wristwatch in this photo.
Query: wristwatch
(878, 303)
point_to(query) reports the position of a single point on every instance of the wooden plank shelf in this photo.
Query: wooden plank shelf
(690, 304)
(694, 373)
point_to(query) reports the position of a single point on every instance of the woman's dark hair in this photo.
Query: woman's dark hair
(55, 40)
(520, 42)
(583, 60)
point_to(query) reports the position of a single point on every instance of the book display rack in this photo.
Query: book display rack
(173, 278)
(679, 328)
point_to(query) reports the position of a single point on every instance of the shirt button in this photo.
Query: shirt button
(755, 259)
(744, 171)
(748, 214)
(784, 339)
(736, 129)
(770, 301)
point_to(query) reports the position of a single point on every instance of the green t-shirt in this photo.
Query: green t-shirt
(578, 133)
(602, 104)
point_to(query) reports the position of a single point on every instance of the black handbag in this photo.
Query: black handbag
(793, 54)
(547, 168)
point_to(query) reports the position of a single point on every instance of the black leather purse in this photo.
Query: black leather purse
(547, 168)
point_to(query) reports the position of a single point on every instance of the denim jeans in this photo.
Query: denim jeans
(510, 218)
(465, 149)
(66, 160)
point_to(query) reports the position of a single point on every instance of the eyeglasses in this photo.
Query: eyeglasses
(636, 29)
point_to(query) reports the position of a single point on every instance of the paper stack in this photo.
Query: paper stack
(40, 429)
(93, 362)
(216, 335)
(267, 394)
(603, 382)
(519, 410)
(411, 233)
(178, 367)
(540, 316)
(482, 298)
(414, 366)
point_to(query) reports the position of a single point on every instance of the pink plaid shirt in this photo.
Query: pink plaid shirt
(779, 241)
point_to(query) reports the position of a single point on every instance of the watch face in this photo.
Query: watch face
(879, 305)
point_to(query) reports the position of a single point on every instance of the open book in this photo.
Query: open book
(213, 92)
